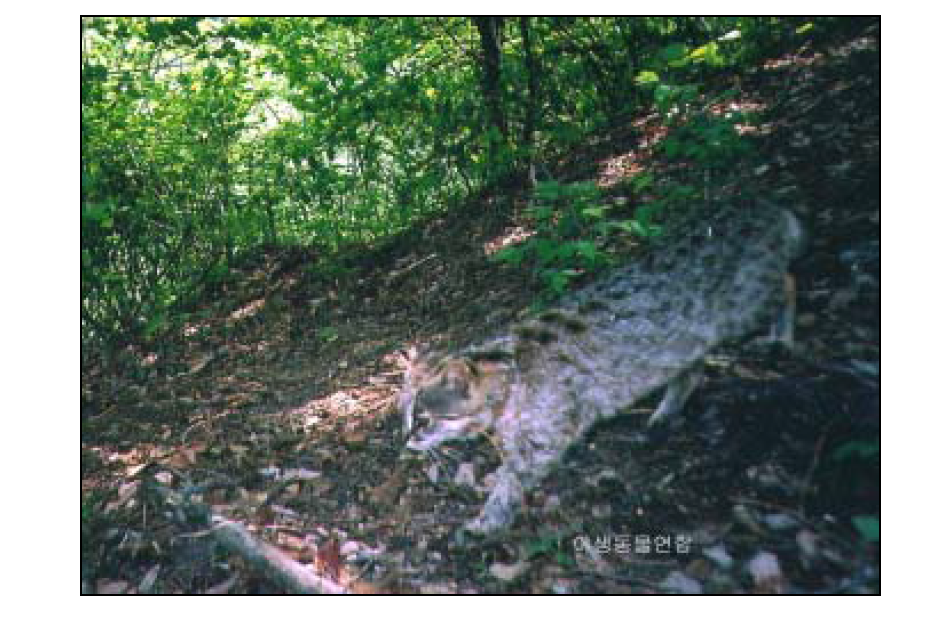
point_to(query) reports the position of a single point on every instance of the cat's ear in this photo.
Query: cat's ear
(414, 356)
(408, 356)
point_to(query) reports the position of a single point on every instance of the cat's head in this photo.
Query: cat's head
(446, 397)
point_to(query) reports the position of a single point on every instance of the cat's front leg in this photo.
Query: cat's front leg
(501, 506)
(522, 469)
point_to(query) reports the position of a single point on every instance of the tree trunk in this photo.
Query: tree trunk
(532, 99)
(491, 39)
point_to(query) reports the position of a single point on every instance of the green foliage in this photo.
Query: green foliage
(204, 138)
(868, 527)
(856, 449)
(550, 546)
(572, 232)
(566, 221)
(704, 145)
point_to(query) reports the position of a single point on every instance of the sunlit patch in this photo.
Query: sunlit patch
(616, 169)
(356, 402)
(512, 236)
(249, 310)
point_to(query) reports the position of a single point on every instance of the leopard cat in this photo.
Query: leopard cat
(540, 385)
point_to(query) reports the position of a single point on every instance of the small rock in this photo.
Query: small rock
(766, 572)
(561, 586)
(719, 556)
(109, 586)
(679, 583)
(301, 474)
(779, 521)
(349, 548)
(552, 503)
(807, 542)
(508, 572)
(272, 472)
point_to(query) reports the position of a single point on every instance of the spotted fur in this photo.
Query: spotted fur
(543, 383)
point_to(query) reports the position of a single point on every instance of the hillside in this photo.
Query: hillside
(273, 405)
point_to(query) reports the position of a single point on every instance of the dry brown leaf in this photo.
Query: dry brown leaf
(200, 363)
(328, 560)
(125, 495)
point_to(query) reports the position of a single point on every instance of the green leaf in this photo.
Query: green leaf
(709, 53)
(541, 213)
(805, 28)
(674, 54)
(154, 325)
(867, 526)
(595, 212)
(642, 181)
(557, 279)
(646, 77)
(328, 334)
(663, 94)
(672, 146)
(587, 249)
(95, 212)
(511, 254)
(859, 449)
(546, 250)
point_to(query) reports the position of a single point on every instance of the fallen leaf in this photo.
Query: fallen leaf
(199, 363)
(328, 559)
(364, 587)
(110, 586)
(508, 572)
(437, 588)
(301, 474)
(125, 495)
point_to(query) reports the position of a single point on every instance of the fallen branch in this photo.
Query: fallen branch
(264, 558)
(270, 561)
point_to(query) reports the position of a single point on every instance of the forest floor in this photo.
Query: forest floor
(274, 407)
